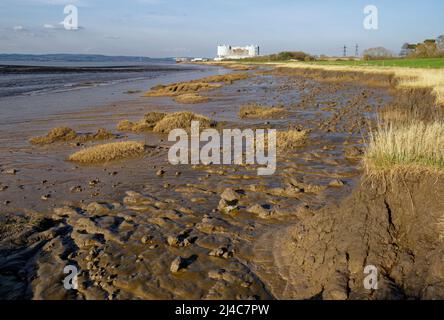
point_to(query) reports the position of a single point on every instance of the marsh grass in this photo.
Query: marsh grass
(204, 84)
(191, 98)
(147, 123)
(66, 134)
(108, 152)
(413, 144)
(182, 120)
(290, 139)
(255, 111)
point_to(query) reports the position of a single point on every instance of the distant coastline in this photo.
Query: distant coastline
(76, 58)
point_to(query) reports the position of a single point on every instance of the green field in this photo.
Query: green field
(408, 63)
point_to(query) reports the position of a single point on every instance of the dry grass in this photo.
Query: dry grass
(146, 124)
(254, 111)
(108, 152)
(407, 77)
(65, 134)
(180, 88)
(205, 84)
(191, 98)
(407, 145)
(182, 120)
(290, 139)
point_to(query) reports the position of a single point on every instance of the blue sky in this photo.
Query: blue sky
(168, 28)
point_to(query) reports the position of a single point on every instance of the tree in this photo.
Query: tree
(377, 53)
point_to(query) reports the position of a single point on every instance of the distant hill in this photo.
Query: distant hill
(76, 58)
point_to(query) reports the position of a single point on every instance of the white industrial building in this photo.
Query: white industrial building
(229, 52)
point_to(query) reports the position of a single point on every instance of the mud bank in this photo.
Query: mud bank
(391, 222)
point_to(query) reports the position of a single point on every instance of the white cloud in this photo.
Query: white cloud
(18, 28)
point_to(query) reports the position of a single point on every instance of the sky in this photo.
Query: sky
(173, 28)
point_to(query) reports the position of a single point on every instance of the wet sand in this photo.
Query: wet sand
(124, 225)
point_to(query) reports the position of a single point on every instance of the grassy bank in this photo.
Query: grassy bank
(401, 142)
(434, 63)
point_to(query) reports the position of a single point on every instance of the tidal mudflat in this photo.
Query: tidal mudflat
(141, 228)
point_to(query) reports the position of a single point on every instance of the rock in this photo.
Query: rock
(230, 195)
(94, 182)
(3, 187)
(262, 211)
(160, 173)
(178, 264)
(98, 208)
(227, 207)
(146, 239)
(76, 189)
(45, 197)
(181, 240)
(337, 183)
(221, 252)
(10, 171)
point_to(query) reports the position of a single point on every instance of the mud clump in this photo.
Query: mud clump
(108, 152)
(191, 98)
(205, 84)
(66, 134)
(181, 120)
(254, 111)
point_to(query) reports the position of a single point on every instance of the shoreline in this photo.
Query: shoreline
(180, 208)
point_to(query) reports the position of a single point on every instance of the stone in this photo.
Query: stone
(230, 195)
(221, 252)
(160, 173)
(177, 264)
(10, 171)
(76, 189)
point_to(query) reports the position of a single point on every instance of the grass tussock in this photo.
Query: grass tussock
(290, 139)
(416, 144)
(182, 120)
(191, 98)
(205, 84)
(254, 111)
(146, 124)
(181, 88)
(66, 134)
(108, 152)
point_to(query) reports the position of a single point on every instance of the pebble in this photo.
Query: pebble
(3, 187)
(45, 197)
(10, 171)
(230, 195)
(177, 264)
(76, 189)
(160, 173)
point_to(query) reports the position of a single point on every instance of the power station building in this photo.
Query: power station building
(229, 52)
